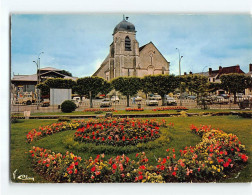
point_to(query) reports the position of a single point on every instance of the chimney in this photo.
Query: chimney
(127, 18)
(250, 67)
(220, 67)
(210, 71)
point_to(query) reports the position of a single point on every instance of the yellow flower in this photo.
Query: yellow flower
(65, 175)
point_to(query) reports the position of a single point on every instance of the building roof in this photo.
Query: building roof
(124, 25)
(32, 77)
(230, 69)
(50, 69)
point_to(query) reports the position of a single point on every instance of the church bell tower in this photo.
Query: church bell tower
(124, 51)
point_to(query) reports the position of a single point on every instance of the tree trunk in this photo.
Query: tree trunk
(163, 100)
(127, 100)
(234, 98)
(90, 98)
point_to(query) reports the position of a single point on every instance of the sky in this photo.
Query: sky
(79, 43)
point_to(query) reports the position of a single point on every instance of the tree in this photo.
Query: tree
(90, 87)
(55, 83)
(128, 86)
(160, 84)
(200, 85)
(64, 72)
(234, 83)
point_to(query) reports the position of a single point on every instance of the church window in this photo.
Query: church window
(127, 44)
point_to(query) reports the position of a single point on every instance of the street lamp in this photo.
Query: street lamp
(38, 77)
(203, 69)
(180, 89)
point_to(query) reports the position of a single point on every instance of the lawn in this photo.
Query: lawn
(180, 137)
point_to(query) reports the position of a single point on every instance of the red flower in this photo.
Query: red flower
(174, 173)
(114, 166)
(75, 171)
(47, 165)
(226, 164)
(93, 169)
(140, 177)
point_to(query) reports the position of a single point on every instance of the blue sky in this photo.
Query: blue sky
(79, 43)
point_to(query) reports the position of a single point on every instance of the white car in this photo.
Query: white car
(106, 103)
(170, 101)
(157, 97)
(114, 98)
(137, 98)
(151, 102)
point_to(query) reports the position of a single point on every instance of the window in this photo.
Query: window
(127, 44)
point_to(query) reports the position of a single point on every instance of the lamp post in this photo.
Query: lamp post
(203, 69)
(180, 89)
(38, 77)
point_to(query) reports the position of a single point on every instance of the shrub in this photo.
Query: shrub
(68, 106)
(14, 118)
(64, 119)
(98, 112)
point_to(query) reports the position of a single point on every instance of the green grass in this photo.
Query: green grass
(135, 112)
(180, 137)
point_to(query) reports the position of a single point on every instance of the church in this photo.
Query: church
(126, 58)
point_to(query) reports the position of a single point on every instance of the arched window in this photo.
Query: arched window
(127, 44)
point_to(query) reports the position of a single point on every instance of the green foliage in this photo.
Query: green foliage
(14, 118)
(128, 86)
(63, 118)
(66, 73)
(235, 83)
(92, 85)
(55, 83)
(162, 141)
(160, 84)
(60, 83)
(68, 106)
(45, 89)
(98, 112)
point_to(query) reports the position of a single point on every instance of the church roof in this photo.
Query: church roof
(124, 25)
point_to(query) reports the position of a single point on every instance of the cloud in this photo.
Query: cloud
(79, 43)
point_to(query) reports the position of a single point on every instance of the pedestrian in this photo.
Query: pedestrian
(133, 100)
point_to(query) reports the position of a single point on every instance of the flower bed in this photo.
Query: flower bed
(119, 132)
(212, 159)
(170, 108)
(100, 109)
(134, 109)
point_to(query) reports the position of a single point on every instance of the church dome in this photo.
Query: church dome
(124, 25)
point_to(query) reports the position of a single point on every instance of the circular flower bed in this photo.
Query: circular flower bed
(213, 158)
(119, 132)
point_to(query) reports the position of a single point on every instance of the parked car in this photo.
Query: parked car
(239, 95)
(151, 101)
(106, 103)
(137, 98)
(114, 98)
(45, 103)
(219, 100)
(157, 97)
(191, 97)
(226, 96)
(170, 101)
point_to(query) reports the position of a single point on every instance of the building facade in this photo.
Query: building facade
(126, 58)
